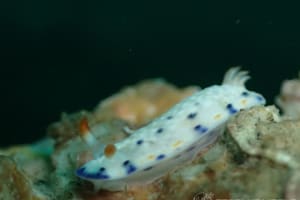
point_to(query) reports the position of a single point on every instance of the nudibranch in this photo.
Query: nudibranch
(171, 139)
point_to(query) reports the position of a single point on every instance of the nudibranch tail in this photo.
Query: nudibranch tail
(236, 77)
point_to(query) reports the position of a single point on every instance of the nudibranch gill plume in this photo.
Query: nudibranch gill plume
(171, 139)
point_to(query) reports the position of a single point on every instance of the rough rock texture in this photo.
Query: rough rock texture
(24, 174)
(289, 98)
(256, 157)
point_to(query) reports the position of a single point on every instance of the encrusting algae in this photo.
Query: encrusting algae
(256, 157)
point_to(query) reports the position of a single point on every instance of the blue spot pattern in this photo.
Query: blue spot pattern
(200, 129)
(130, 168)
(101, 174)
(139, 142)
(245, 94)
(192, 115)
(169, 117)
(160, 157)
(259, 98)
(160, 130)
(231, 109)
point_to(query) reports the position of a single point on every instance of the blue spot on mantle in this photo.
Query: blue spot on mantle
(192, 115)
(130, 168)
(231, 109)
(139, 142)
(259, 98)
(160, 130)
(245, 94)
(101, 174)
(160, 157)
(200, 129)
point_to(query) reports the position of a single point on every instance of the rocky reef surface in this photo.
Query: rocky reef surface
(258, 156)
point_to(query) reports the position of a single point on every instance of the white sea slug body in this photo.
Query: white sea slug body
(173, 138)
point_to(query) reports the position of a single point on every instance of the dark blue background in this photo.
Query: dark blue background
(66, 56)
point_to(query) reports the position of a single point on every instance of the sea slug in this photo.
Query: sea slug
(170, 140)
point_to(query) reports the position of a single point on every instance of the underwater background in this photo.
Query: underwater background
(64, 56)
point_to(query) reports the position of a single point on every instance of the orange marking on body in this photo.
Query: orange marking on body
(110, 150)
(177, 143)
(84, 127)
(218, 116)
(151, 157)
(244, 101)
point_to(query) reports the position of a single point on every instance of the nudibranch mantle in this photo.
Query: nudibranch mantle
(173, 138)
